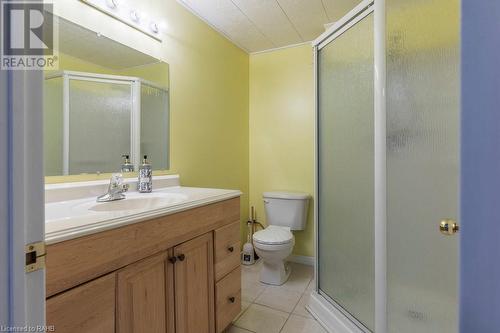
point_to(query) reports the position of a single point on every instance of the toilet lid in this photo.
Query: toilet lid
(273, 235)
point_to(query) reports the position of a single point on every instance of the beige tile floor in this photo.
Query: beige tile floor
(276, 309)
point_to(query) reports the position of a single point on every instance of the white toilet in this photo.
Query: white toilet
(285, 211)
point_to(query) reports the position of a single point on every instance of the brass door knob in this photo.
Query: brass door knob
(448, 227)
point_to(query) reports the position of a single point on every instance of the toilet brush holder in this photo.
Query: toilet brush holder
(247, 256)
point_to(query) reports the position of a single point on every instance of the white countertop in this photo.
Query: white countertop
(81, 215)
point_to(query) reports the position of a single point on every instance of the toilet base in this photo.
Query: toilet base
(275, 273)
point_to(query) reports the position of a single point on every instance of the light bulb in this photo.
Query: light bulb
(112, 3)
(154, 27)
(134, 15)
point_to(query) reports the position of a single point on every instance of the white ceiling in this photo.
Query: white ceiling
(258, 25)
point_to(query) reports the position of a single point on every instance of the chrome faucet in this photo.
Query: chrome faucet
(116, 189)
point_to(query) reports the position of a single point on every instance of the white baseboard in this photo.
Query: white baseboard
(330, 317)
(304, 260)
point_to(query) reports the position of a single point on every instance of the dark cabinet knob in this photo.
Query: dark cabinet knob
(172, 260)
(181, 257)
(232, 299)
(230, 249)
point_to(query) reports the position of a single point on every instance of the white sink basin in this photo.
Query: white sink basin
(134, 201)
(147, 203)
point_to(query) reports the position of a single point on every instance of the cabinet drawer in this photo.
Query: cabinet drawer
(228, 299)
(227, 249)
(86, 308)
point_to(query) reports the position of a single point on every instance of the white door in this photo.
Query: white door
(22, 294)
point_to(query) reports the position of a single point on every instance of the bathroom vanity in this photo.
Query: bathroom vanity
(166, 261)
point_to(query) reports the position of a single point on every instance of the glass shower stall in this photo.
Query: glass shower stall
(387, 156)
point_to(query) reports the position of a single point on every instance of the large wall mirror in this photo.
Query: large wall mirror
(105, 102)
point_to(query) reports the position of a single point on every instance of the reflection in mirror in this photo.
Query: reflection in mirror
(106, 102)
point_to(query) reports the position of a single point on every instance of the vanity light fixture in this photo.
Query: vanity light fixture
(126, 12)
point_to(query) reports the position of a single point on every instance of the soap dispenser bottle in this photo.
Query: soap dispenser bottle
(145, 184)
(127, 166)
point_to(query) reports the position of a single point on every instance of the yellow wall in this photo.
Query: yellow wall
(282, 130)
(208, 91)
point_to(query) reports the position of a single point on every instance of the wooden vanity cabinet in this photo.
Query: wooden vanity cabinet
(191, 286)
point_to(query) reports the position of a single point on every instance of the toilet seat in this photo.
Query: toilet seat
(273, 235)
(273, 247)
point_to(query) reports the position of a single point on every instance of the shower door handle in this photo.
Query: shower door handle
(448, 227)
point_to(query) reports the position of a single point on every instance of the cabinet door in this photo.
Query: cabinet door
(84, 309)
(145, 296)
(194, 286)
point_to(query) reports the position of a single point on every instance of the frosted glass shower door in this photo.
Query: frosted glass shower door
(99, 125)
(346, 172)
(422, 164)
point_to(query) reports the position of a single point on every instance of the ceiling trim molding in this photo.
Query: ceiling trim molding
(282, 47)
(220, 31)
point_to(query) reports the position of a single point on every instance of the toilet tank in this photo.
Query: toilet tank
(286, 209)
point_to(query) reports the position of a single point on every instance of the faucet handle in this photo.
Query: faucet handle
(116, 180)
(116, 189)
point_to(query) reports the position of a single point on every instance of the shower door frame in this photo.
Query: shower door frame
(324, 303)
